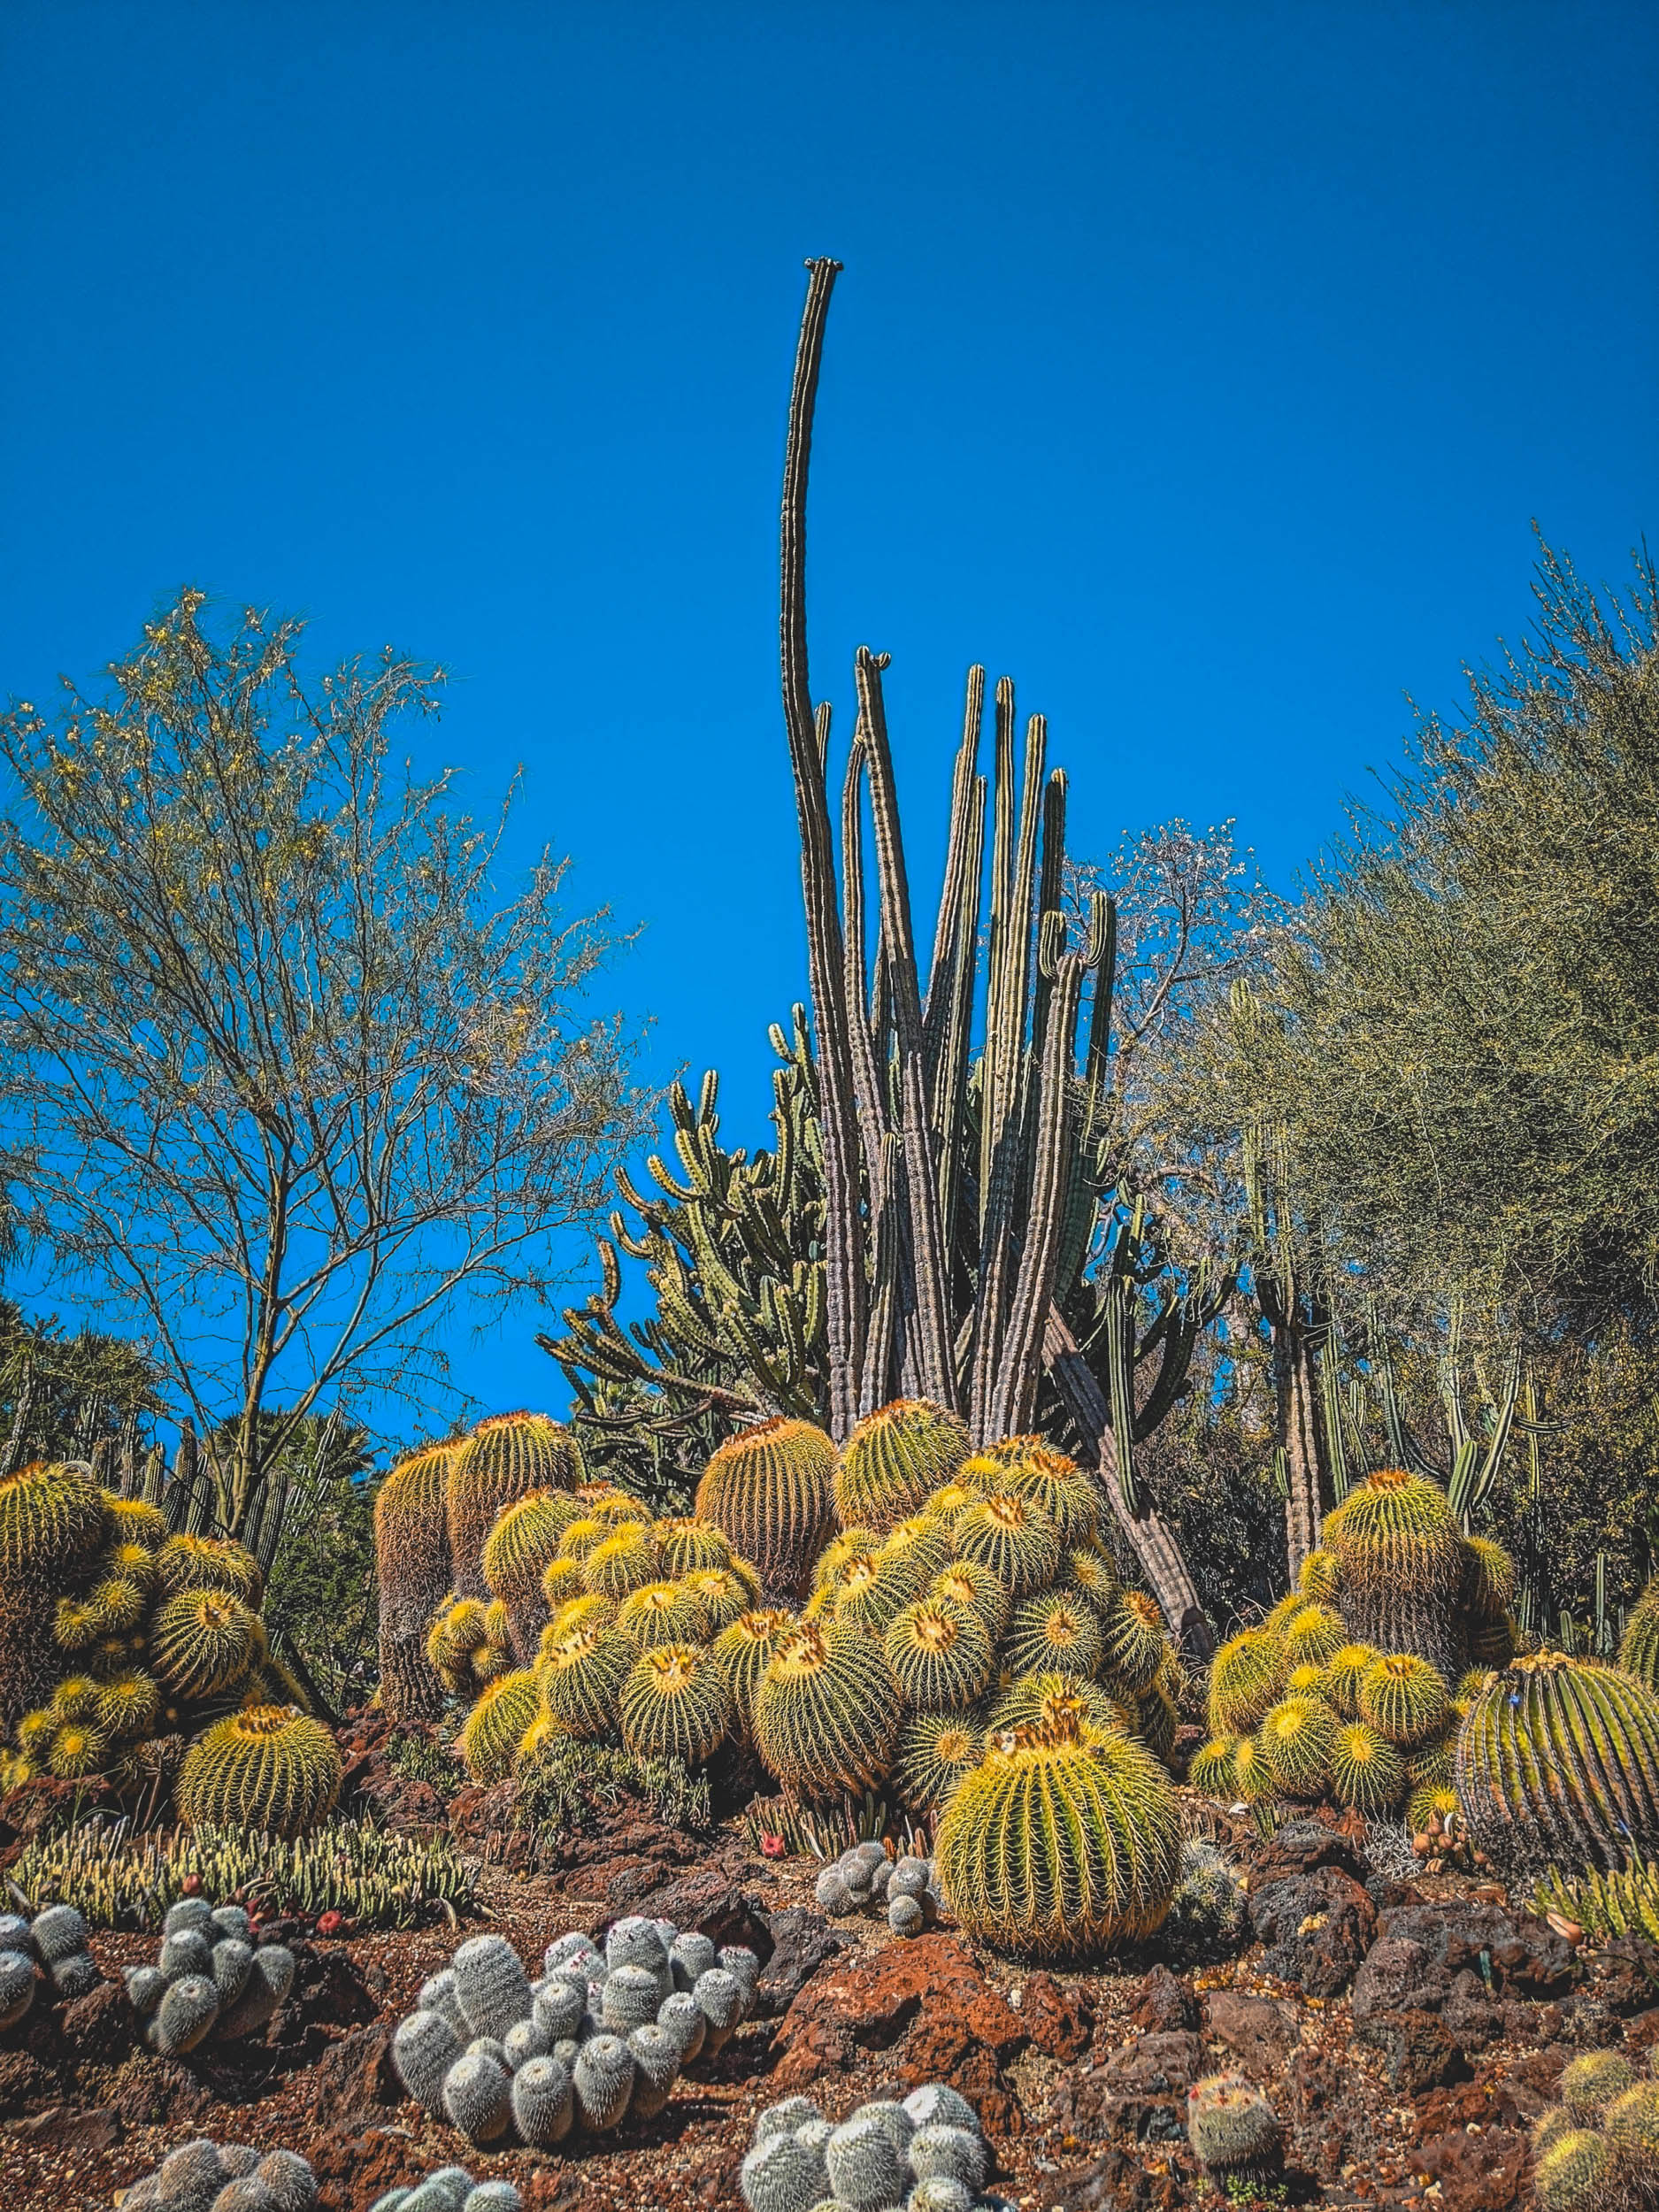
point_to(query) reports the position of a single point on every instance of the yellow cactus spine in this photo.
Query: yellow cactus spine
(1366, 1771)
(1015, 1538)
(1402, 1698)
(1024, 1467)
(940, 1655)
(691, 1547)
(935, 1750)
(1134, 1643)
(582, 1678)
(662, 1613)
(497, 1725)
(503, 1460)
(518, 1552)
(675, 1704)
(770, 1490)
(412, 1571)
(208, 1563)
(743, 1652)
(827, 1711)
(1246, 1677)
(1400, 1555)
(894, 1459)
(1046, 1701)
(203, 1640)
(1055, 1632)
(1297, 1738)
(270, 1769)
(1061, 1844)
(965, 1583)
(624, 1561)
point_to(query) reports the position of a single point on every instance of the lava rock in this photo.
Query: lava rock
(1316, 1927)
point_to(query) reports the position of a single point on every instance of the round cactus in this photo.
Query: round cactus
(1056, 1632)
(518, 1552)
(1399, 1554)
(1574, 2172)
(602, 2081)
(952, 2153)
(1343, 1673)
(656, 2056)
(52, 1517)
(690, 1546)
(973, 1588)
(1232, 2127)
(1066, 1842)
(1246, 1677)
(1211, 1768)
(1631, 2123)
(782, 2174)
(718, 1996)
(1639, 1647)
(269, 1768)
(1024, 1467)
(1557, 1760)
(623, 1563)
(129, 1703)
(770, 1492)
(1402, 1698)
(682, 2017)
(77, 1749)
(184, 2016)
(1320, 1578)
(208, 1563)
(1313, 1637)
(872, 1589)
(542, 2104)
(1039, 1701)
(1431, 1807)
(940, 1655)
(1014, 1537)
(17, 1987)
(561, 1583)
(497, 1725)
(723, 1592)
(934, 1751)
(924, 1541)
(894, 1459)
(1590, 2082)
(744, 1651)
(201, 1641)
(503, 1460)
(583, 1536)
(490, 1985)
(477, 2097)
(1488, 1585)
(1087, 1571)
(582, 1677)
(867, 2169)
(274, 1967)
(827, 1711)
(662, 1613)
(675, 1703)
(1296, 1739)
(1365, 1770)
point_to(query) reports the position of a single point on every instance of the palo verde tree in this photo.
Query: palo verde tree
(283, 1080)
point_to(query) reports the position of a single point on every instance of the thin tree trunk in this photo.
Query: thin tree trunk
(1153, 1542)
(1298, 1433)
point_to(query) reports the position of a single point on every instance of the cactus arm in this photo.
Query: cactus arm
(920, 1181)
(1049, 888)
(953, 948)
(950, 1084)
(843, 1229)
(1015, 1404)
(871, 1091)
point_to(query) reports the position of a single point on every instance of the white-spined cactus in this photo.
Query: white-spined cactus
(603, 2082)
(478, 2096)
(542, 2105)
(491, 1985)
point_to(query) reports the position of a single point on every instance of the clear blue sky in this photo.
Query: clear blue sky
(1202, 366)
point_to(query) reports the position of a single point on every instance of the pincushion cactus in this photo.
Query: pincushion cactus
(205, 2177)
(885, 2153)
(1590, 2083)
(208, 1980)
(1232, 2127)
(478, 2096)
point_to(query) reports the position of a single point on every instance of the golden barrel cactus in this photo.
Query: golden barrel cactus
(770, 1491)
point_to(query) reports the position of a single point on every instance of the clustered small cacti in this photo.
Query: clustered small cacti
(1208, 1915)
(906, 1889)
(1232, 2129)
(54, 1940)
(1600, 2145)
(972, 1581)
(600, 2037)
(149, 1634)
(208, 2176)
(209, 1978)
(927, 2154)
(451, 2189)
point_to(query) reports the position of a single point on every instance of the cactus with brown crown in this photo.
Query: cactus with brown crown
(940, 1655)
(770, 1490)
(894, 1459)
(1557, 1762)
(1064, 1842)
(503, 1460)
(414, 1575)
(270, 1768)
(827, 1711)
(743, 1652)
(1400, 1560)
(675, 1704)
(583, 1676)
(934, 1751)
(1026, 1467)
(209, 1563)
(202, 1641)
(1014, 1537)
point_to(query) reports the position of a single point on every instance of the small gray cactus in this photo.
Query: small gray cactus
(57, 1939)
(682, 2017)
(834, 1894)
(438, 1995)
(909, 1879)
(936, 2104)
(783, 2175)
(567, 1950)
(690, 1956)
(905, 1916)
(744, 1968)
(940, 2194)
(1232, 2127)
(187, 1912)
(17, 1987)
(631, 1996)
(477, 2097)
(1208, 1916)
(230, 1962)
(558, 2009)
(719, 1998)
(603, 2082)
(491, 1985)
(186, 1951)
(288, 2177)
(525, 2039)
(655, 2057)
(493, 2196)
(958, 2154)
(205, 2177)
(188, 2010)
(636, 1941)
(783, 2119)
(867, 2170)
(541, 2103)
(423, 2050)
(270, 1978)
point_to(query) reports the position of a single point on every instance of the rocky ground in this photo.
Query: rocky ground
(1406, 2030)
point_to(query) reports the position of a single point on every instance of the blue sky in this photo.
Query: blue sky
(1202, 366)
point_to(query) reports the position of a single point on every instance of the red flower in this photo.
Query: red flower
(191, 1886)
(772, 1847)
(330, 1922)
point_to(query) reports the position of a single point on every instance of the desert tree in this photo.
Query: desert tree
(285, 1077)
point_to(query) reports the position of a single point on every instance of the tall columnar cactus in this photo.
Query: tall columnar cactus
(269, 1768)
(53, 1521)
(826, 1714)
(503, 1460)
(770, 1491)
(1065, 1843)
(894, 1459)
(414, 1575)
(1401, 1558)
(1557, 1762)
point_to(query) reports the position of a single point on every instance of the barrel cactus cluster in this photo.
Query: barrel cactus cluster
(905, 1890)
(115, 1632)
(206, 2177)
(51, 1945)
(927, 2154)
(1599, 2145)
(1353, 1689)
(598, 2038)
(208, 1978)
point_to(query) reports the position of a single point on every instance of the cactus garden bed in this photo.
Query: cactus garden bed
(1406, 2025)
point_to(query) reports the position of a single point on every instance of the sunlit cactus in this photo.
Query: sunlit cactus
(269, 1769)
(1015, 1538)
(203, 1640)
(770, 1490)
(1402, 1698)
(1055, 1631)
(1246, 1677)
(940, 1655)
(743, 1651)
(663, 1613)
(827, 1711)
(1025, 1467)
(209, 1563)
(624, 1561)
(934, 1751)
(1296, 1739)
(1365, 1770)
(1063, 1844)
(412, 1569)
(495, 1730)
(965, 1582)
(1557, 1762)
(1400, 1554)
(689, 1545)
(894, 1459)
(582, 1677)
(1343, 1673)
(723, 1592)
(503, 1460)
(517, 1553)
(675, 1704)
(1043, 1701)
